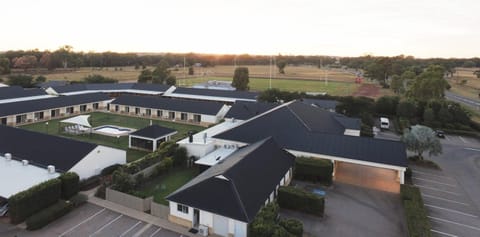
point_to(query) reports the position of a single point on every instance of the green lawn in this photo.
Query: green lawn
(162, 186)
(259, 84)
(98, 118)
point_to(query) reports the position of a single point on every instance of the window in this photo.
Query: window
(184, 116)
(95, 105)
(159, 113)
(4, 121)
(54, 113)
(148, 112)
(127, 109)
(117, 108)
(197, 118)
(21, 118)
(38, 115)
(171, 115)
(83, 108)
(69, 110)
(182, 208)
(137, 110)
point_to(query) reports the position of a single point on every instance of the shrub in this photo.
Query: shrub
(109, 170)
(312, 169)
(293, 226)
(49, 214)
(300, 200)
(101, 191)
(415, 213)
(122, 181)
(87, 184)
(180, 157)
(70, 184)
(34, 199)
(78, 200)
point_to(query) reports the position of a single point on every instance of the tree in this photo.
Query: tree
(4, 66)
(122, 181)
(387, 105)
(429, 85)
(397, 84)
(25, 62)
(241, 79)
(477, 73)
(25, 81)
(421, 139)
(40, 79)
(190, 70)
(95, 78)
(145, 76)
(171, 80)
(281, 64)
(406, 109)
(428, 116)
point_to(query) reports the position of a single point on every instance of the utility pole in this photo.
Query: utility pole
(184, 73)
(270, 67)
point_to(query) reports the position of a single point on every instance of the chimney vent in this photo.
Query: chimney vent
(25, 162)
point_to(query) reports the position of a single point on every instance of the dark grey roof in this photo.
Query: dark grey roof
(324, 104)
(11, 92)
(297, 129)
(42, 149)
(49, 103)
(243, 188)
(110, 86)
(217, 93)
(153, 131)
(191, 106)
(244, 110)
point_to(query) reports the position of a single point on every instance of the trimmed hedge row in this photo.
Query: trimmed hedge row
(293, 226)
(300, 200)
(312, 169)
(267, 224)
(49, 214)
(25, 203)
(415, 213)
(70, 184)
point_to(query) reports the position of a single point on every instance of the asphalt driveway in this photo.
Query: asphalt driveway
(356, 211)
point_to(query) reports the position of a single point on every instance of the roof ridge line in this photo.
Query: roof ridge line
(237, 195)
(300, 119)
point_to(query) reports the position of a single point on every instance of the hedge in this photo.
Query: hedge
(300, 200)
(415, 213)
(293, 226)
(312, 169)
(109, 170)
(25, 203)
(70, 184)
(49, 214)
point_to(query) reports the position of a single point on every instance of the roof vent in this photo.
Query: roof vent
(8, 156)
(25, 162)
(51, 169)
(222, 177)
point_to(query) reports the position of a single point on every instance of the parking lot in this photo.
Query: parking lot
(93, 220)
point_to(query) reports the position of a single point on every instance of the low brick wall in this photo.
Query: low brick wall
(159, 210)
(128, 200)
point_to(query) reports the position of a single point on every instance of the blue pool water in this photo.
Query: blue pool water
(319, 191)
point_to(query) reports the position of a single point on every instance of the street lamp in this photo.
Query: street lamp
(46, 124)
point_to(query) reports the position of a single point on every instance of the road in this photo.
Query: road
(475, 104)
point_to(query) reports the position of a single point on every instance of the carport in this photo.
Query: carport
(367, 176)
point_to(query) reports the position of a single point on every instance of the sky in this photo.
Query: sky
(421, 28)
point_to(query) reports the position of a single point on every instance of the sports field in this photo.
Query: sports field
(465, 83)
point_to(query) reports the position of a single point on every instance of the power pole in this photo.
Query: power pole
(270, 67)
(184, 73)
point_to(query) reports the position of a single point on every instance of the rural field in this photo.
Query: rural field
(471, 86)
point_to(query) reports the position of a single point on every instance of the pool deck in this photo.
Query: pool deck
(112, 127)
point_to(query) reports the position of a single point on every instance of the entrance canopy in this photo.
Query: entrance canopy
(80, 120)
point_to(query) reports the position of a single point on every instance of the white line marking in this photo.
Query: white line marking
(453, 222)
(435, 175)
(129, 229)
(463, 140)
(436, 189)
(444, 199)
(450, 210)
(471, 149)
(430, 181)
(443, 233)
(89, 218)
(104, 226)
(446, 137)
(154, 233)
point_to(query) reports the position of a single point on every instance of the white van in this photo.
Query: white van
(384, 123)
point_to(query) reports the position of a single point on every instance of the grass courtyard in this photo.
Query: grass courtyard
(99, 118)
(163, 185)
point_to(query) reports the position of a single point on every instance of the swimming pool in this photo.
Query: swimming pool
(111, 130)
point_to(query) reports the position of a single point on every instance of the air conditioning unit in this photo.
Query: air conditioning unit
(25, 162)
(8, 156)
(51, 169)
(203, 230)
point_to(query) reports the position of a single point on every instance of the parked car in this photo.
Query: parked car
(440, 133)
(384, 123)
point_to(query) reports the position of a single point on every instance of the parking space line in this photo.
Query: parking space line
(446, 137)
(104, 226)
(436, 182)
(89, 218)
(444, 199)
(436, 189)
(450, 210)
(463, 140)
(443, 233)
(435, 175)
(471, 149)
(129, 229)
(154, 233)
(453, 222)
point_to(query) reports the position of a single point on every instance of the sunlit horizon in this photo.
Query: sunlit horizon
(423, 29)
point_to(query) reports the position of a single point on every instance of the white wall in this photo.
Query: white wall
(98, 159)
(198, 149)
(209, 118)
(175, 212)
(206, 218)
(352, 132)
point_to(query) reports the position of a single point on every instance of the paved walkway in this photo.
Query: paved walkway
(164, 223)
